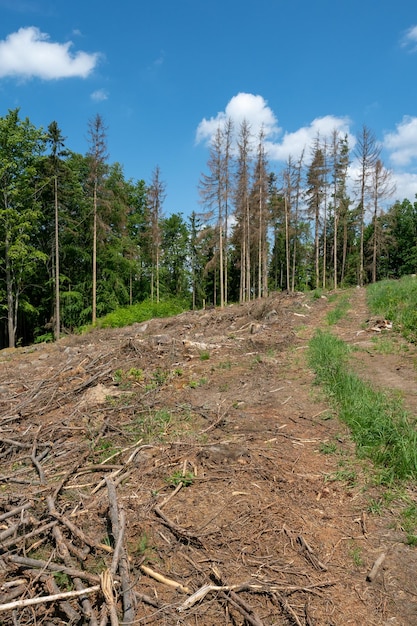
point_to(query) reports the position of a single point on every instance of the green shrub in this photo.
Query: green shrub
(141, 312)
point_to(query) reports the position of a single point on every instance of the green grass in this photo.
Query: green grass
(340, 310)
(381, 428)
(396, 300)
(141, 312)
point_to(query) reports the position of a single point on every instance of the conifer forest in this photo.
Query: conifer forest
(79, 240)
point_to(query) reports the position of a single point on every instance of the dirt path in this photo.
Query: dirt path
(273, 499)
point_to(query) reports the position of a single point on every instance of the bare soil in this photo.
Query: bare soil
(198, 448)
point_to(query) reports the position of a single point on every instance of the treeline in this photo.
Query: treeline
(78, 240)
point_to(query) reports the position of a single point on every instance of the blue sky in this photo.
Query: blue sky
(163, 73)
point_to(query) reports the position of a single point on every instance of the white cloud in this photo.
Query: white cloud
(258, 114)
(100, 95)
(402, 143)
(405, 185)
(302, 139)
(244, 106)
(410, 39)
(28, 53)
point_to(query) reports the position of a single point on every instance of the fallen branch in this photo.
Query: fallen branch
(117, 522)
(249, 616)
(244, 609)
(38, 531)
(287, 608)
(375, 568)
(77, 532)
(18, 604)
(163, 579)
(309, 554)
(65, 606)
(15, 511)
(180, 533)
(54, 567)
(107, 589)
(63, 550)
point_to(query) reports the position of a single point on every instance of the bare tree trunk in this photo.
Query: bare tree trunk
(221, 267)
(94, 312)
(57, 298)
(11, 326)
(287, 242)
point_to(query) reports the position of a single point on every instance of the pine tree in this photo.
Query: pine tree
(315, 195)
(21, 145)
(155, 200)
(56, 141)
(97, 155)
(367, 152)
(242, 207)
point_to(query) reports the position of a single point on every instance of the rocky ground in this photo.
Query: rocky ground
(188, 471)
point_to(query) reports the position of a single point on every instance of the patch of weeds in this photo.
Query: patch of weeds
(63, 581)
(223, 387)
(409, 524)
(118, 376)
(375, 506)
(193, 384)
(105, 449)
(126, 379)
(159, 425)
(163, 416)
(356, 554)
(178, 372)
(159, 376)
(256, 359)
(176, 478)
(116, 401)
(225, 365)
(328, 447)
(143, 547)
(339, 312)
(317, 294)
(204, 355)
(135, 373)
(326, 415)
(344, 475)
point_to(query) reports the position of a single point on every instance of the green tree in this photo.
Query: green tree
(56, 141)
(400, 225)
(155, 197)
(197, 262)
(174, 236)
(21, 145)
(97, 156)
(339, 163)
(316, 179)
